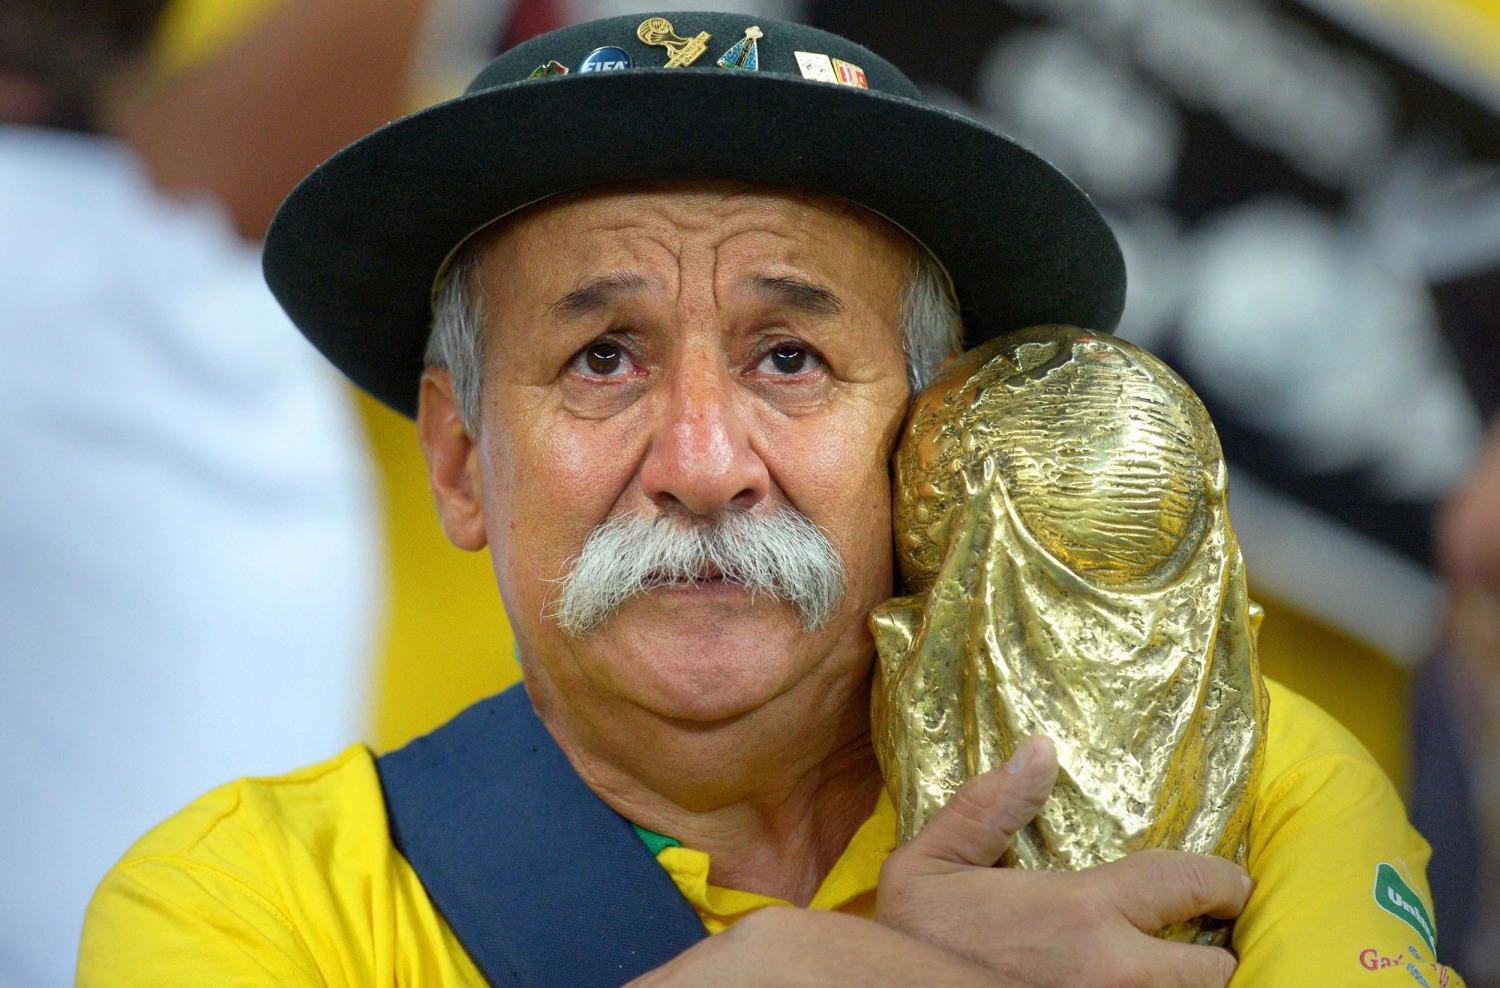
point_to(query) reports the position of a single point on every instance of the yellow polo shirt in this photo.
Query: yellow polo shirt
(293, 881)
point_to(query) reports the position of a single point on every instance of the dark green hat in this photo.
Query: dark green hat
(353, 252)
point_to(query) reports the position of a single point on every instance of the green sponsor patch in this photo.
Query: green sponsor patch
(1399, 899)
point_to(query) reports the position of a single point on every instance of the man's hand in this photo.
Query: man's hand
(1073, 929)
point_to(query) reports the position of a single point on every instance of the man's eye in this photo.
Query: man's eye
(602, 360)
(788, 358)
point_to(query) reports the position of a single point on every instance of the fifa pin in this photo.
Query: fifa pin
(607, 59)
(684, 51)
(743, 54)
(850, 74)
(553, 67)
(814, 66)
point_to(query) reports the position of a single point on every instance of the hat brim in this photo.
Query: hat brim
(353, 252)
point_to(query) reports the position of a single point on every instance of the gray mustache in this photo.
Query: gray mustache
(780, 553)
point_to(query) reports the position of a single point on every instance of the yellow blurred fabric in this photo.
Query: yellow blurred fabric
(447, 641)
(1363, 689)
(1467, 30)
(194, 30)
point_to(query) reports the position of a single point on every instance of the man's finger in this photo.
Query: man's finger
(978, 823)
(1153, 889)
(1185, 965)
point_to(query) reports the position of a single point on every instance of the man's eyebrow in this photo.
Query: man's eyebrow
(798, 294)
(598, 293)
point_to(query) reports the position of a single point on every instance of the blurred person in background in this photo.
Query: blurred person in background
(1456, 779)
(188, 559)
(238, 112)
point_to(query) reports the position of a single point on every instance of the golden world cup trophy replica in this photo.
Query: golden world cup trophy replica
(1061, 527)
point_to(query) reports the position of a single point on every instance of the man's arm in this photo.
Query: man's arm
(288, 881)
(1040, 928)
(167, 922)
(1341, 892)
(947, 916)
(787, 947)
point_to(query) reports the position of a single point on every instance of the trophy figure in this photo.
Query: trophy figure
(1061, 526)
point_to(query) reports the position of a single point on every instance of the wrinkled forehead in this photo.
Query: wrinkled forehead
(708, 209)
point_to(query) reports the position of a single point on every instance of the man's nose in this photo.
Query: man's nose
(701, 460)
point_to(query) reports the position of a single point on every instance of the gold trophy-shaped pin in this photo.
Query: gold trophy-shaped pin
(684, 51)
(1061, 523)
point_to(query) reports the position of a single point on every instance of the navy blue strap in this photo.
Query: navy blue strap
(541, 881)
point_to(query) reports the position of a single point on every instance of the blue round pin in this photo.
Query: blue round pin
(606, 59)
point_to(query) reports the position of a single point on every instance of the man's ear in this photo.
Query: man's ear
(452, 461)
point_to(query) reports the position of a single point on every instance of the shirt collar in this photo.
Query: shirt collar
(855, 875)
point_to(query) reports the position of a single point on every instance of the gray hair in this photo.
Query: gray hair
(931, 328)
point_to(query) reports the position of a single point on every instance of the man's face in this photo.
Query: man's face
(687, 352)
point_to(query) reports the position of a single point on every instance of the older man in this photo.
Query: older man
(663, 387)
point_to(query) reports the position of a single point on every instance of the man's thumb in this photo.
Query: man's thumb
(982, 817)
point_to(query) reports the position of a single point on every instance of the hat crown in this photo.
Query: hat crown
(354, 251)
(777, 46)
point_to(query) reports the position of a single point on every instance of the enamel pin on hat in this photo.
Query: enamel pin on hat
(815, 66)
(849, 74)
(685, 51)
(743, 54)
(820, 68)
(607, 59)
